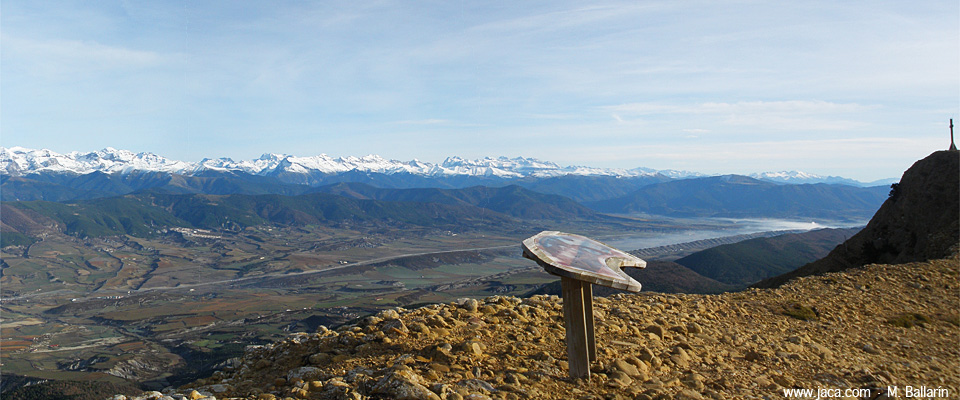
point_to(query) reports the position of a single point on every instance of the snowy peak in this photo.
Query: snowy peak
(269, 164)
(501, 166)
(520, 166)
(21, 161)
(798, 177)
(676, 174)
(786, 176)
(18, 161)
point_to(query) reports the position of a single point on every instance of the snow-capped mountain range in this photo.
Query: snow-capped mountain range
(19, 161)
(797, 177)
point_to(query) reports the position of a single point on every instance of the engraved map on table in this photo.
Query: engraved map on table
(582, 258)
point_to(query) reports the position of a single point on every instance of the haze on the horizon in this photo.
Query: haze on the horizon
(857, 89)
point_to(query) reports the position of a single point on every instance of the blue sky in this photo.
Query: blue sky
(860, 89)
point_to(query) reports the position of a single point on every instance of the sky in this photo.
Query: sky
(860, 89)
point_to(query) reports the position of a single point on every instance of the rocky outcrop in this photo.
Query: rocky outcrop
(919, 221)
(871, 328)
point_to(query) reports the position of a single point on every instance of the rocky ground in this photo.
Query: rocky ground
(874, 327)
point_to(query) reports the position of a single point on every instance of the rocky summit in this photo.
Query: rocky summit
(877, 331)
(918, 221)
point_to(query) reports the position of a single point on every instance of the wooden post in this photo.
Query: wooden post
(588, 318)
(574, 318)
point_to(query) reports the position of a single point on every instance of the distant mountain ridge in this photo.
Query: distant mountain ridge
(145, 212)
(797, 177)
(737, 196)
(511, 200)
(19, 161)
(29, 175)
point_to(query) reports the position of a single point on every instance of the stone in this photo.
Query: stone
(543, 356)
(471, 305)
(388, 315)
(793, 348)
(693, 381)
(820, 350)
(303, 373)
(439, 367)
(488, 310)
(219, 388)
(655, 362)
(443, 354)
(472, 349)
(301, 393)
(694, 328)
(636, 362)
(679, 362)
(656, 330)
(625, 367)
(420, 327)
(783, 380)
(431, 375)
(477, 385)
(687, 394)
(394, 328)
(619, 379)
(403, 385)
(753, 356)
(646, 354)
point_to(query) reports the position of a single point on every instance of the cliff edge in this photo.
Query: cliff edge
(919, 221)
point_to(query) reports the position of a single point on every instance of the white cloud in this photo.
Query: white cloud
(68, 58)
(810, 115)
(796, 107)
(561, 20)
(431, 121)
(785, 107)
(554, 116)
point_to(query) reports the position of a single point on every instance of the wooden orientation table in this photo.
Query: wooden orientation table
(581, 262)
